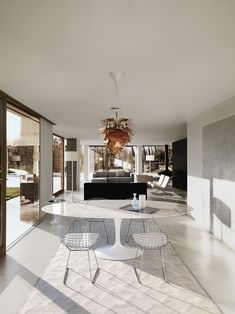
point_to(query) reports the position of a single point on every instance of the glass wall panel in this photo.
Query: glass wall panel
(153, 158)
(58, 164)
(23, 136)
(101, 160)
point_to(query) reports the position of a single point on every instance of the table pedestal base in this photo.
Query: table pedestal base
(117, 252)
(54, 221)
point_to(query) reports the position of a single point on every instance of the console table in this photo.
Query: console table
(113, 190)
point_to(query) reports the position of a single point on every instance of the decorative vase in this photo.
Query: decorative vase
(135, 202)
(142, 201)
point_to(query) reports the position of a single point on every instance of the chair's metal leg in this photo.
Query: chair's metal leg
(143, 224)
(163, 266)
(141, 265)
(66, 269)
(97, 264)
(89, 262)
(105, 231)
(89, 226)
(128, 231)
(97, 272)
(135, 257)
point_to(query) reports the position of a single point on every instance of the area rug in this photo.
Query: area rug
(117, 289)
(171, 195)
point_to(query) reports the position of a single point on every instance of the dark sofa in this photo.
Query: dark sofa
(113, 191)
(113, 177)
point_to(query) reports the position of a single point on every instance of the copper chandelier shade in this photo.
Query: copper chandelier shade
(116, 133)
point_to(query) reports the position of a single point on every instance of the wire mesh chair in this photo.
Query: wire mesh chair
(81, 242)
(142, 221)
(99, 221)
(96, 220)
(150, 241)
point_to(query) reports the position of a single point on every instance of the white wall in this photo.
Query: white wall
(45, 162)
(199, 187)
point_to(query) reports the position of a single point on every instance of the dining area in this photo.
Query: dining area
(113, 259)
(98, 211)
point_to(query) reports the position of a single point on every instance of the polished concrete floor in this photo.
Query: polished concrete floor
(211, 261)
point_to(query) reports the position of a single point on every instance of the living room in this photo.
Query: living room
(117, 128)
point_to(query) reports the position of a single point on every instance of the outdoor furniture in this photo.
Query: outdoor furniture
(81, 242)
(113, 190)
(150, 241)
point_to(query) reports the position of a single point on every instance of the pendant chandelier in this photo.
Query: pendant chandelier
(116, 130)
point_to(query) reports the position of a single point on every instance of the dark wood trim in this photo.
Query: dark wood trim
(17, 111)
(58, 192)
(21, 106)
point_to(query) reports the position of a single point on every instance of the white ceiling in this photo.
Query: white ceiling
(178, 55)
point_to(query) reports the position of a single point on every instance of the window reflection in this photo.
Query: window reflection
(58, 164)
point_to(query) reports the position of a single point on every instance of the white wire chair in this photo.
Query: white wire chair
(81, 242)
(131, 221)
(99, 221)
(150, 241)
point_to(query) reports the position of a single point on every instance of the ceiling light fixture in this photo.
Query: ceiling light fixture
(116, 130)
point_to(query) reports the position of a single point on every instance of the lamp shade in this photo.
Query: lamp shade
(150, 157)
(71, 156)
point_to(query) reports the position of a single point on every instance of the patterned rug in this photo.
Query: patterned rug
(116, 289)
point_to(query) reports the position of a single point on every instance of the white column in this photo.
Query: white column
(138, 160)
(78, 165)
(86, 148)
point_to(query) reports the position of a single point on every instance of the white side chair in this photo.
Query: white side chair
(150, 241)
(164, 184)
(81, 242)
(161, 179)
(158, 183)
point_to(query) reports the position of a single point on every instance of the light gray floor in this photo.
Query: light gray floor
(210, 260)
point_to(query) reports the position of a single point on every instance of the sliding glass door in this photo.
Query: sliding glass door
(2, 177)
(23, 138)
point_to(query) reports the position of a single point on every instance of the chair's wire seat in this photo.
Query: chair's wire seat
(80, 241)
(151, 240)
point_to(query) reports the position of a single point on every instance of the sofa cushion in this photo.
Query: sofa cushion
(119, 180)
(101, 174)
(99, 180)
(111, 174)
(120, 173)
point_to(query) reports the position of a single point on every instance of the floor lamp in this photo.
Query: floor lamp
(71, 156)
